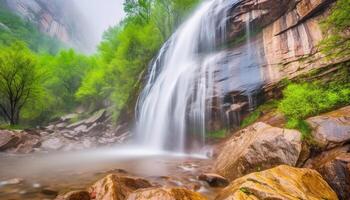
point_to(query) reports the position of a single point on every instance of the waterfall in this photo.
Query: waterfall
(176, 101)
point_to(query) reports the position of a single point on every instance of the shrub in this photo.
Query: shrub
(304, 100)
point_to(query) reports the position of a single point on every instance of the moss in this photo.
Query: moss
(245, 190)
(217, 134)
(255, 115)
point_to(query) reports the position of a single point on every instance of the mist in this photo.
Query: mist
(99, 15)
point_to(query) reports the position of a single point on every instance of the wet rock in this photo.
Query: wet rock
(165, 194)
(75, 195)
(29, 144)
(13, 181)
(8, 139)
(279, 183)
(258, 147)
(331, 129)
(334, 166)
(49, 191)
(214, 180)
(52, 144)
(115, 187)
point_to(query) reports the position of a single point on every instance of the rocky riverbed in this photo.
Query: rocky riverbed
(259, 162)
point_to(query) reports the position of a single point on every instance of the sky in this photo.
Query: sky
(100, 14)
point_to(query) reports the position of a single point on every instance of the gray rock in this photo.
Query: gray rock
(331, 129)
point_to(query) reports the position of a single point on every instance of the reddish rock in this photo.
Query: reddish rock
(75, 195)
(8, 139)
(334, 166)
(279, 183)
(165, 194)
(115, 187)
(258, 147)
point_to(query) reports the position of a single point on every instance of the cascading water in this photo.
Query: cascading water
(174, 106)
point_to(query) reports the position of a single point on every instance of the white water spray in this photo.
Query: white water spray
(177, 100)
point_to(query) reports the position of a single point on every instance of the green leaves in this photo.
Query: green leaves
(337, 41)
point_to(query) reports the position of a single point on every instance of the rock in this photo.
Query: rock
(115, 187)
(97, 117)
(8, 139)
(257, 147)
(52, 144)
(279, 183)
(80, 128)
(13, 181)
(76, 124)
(68, 117)
(29, 143)
(75, 195)
(61, 125)
(334, 166)
(214, 180)
(165, 194)
(331, 129)
(49, 191)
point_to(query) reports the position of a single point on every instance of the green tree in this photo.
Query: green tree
(19, 80)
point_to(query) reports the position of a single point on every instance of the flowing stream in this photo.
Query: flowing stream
(176, 104)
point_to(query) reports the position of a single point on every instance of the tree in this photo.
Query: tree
(19, 80)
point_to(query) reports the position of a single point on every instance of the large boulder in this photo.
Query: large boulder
(165, 194)
(8, 139)
(331, 129)
(279, 183)
(258, 147)
(334, 166)
(115, 187)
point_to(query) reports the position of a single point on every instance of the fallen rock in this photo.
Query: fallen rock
(331, 129)
(8, 139)
(214, 180)
(258, 147)
(334, 166)
(279, 183)
(75, 195)
(115, 187)
(165, 194)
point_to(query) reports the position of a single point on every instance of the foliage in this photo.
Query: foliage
(217, 134)
(256, 114)
(337, 24)
(19, 81)
(304, 100)
(64, 74)
(127, 49)
(308, 99)
(14, 28)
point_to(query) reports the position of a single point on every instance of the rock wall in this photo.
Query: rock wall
(55, 19)
(269, 41)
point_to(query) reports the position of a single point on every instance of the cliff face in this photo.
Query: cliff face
(288, 34)
(268, 40)
(55, 19)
